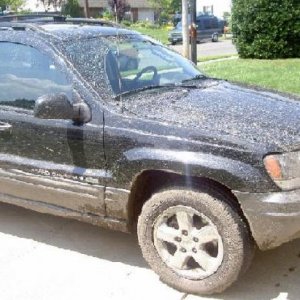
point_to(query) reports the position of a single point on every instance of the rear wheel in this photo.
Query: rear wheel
(195, 241)
(215, 38)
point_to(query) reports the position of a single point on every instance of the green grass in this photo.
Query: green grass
(160, 34)
(282, 75)
(215, 57)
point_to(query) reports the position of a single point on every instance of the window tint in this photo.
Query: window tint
(26, 74)
(207, 23)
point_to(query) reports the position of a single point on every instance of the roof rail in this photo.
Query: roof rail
(16, 26)
(54, 18)
(27, 17)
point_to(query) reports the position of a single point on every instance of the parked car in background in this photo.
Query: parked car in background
(208, 28)
(104, 125)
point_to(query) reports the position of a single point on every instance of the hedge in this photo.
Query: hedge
(267, 29)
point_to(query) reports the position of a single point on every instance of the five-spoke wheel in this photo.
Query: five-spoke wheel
(195, 240)
(188, 242)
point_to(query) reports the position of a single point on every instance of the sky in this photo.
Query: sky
(220, 6)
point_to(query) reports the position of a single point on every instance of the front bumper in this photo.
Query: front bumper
(175, 39)
(274, 218)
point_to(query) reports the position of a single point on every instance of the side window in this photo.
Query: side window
(26, 74)
(215, 23)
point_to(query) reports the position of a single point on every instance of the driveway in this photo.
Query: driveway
(223, 47)
(45, 257)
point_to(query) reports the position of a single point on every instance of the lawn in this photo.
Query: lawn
(282, 75)
(160, 34)
(215, 57)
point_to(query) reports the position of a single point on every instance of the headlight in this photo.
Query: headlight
(284, 169)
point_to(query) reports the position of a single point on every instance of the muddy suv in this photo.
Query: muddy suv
(104, 125)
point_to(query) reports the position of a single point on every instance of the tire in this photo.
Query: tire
(215, 38)
(226, 256)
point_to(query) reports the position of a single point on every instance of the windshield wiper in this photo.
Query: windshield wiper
(197, 77)
(152, 87)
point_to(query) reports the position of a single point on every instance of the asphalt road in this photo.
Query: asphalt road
(223, 47)
(45, 257)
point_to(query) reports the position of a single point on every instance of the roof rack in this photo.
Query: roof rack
(27, 17)
(54, 19)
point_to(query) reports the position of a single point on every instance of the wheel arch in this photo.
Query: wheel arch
(150, 181)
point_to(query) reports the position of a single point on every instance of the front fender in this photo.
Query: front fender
(234, 174)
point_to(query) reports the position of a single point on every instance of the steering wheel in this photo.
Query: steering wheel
(146, 70)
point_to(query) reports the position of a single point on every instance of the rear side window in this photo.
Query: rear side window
(26, 74)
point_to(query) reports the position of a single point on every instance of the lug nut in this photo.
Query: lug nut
(178, 239)
(194, 250)
(183, 250)
(196, 240)
(184, 232)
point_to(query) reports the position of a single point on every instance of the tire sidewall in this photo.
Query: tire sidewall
(229, 226)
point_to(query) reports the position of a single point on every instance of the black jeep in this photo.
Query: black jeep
(107, 126)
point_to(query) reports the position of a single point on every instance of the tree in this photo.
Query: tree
(167, 6)
(266, 28)
(14, 4)
(119, 8)
(72, 8)
(165, 9)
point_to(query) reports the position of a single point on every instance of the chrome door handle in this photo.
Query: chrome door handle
(5, 127)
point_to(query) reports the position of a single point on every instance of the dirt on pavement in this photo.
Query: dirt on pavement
(46, 257)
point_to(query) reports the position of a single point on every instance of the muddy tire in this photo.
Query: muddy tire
(195, 241)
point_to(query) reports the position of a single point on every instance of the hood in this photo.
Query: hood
(175, 31)
(221, 108)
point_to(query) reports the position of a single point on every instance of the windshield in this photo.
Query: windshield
(130, 63)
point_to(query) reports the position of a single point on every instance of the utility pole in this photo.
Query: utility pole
(185, 29)
(116, 12)
(194, 31)
(86, 9)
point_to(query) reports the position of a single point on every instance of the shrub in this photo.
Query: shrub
(267, 28)
(145, 24)
(107, 15)
(126, 23)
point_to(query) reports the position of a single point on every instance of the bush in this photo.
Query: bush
(126, 23)
(145, 24)
(267, 28)
(107, 15)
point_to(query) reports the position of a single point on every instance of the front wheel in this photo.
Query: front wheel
(195, 241)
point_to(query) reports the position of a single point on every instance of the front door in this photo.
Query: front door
(48, 165)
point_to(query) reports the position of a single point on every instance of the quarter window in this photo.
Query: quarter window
(26, 74)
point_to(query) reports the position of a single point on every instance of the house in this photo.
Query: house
(140, 10)
(214, 7)
(38, 6)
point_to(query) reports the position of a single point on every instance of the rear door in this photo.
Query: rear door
(49, 165)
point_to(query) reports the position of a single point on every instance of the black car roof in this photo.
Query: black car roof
(72, 31)
(63, 28)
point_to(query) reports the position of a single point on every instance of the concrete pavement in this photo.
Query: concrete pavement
(223, 47)
(46, 257)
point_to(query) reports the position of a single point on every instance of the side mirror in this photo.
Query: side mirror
(59, 107)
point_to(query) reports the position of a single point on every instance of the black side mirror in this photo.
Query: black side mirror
(59, 107)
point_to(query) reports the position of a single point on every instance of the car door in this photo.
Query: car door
(52, 166)
(205, 28)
